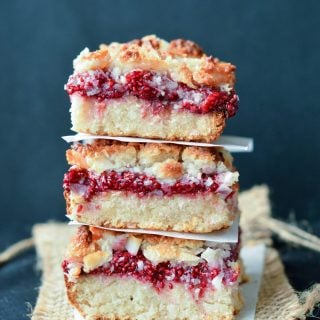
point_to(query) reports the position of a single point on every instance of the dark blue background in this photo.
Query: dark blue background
(276, 47)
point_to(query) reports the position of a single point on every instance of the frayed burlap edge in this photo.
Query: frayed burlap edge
(277, 299)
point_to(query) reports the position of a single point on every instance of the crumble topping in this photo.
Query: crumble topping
(182, 59)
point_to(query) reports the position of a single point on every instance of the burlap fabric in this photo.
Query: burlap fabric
(277, 299)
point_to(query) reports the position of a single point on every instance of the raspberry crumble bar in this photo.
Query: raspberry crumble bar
(152, 88)
(119, 276)
(151, 186)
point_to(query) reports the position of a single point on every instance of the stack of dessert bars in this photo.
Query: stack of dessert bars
(132, 198)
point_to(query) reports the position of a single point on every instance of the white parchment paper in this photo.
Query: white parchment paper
(231, 143)
(253, 259)
(229, 235)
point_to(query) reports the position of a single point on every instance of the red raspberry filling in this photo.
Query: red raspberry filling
(164, 275)
(159, 90)
(91, 183)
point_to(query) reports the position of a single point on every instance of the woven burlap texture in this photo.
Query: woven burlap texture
(277, 299)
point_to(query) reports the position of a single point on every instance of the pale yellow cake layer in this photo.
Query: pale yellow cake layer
(113, 298)
(128, 116)
(182, 213)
